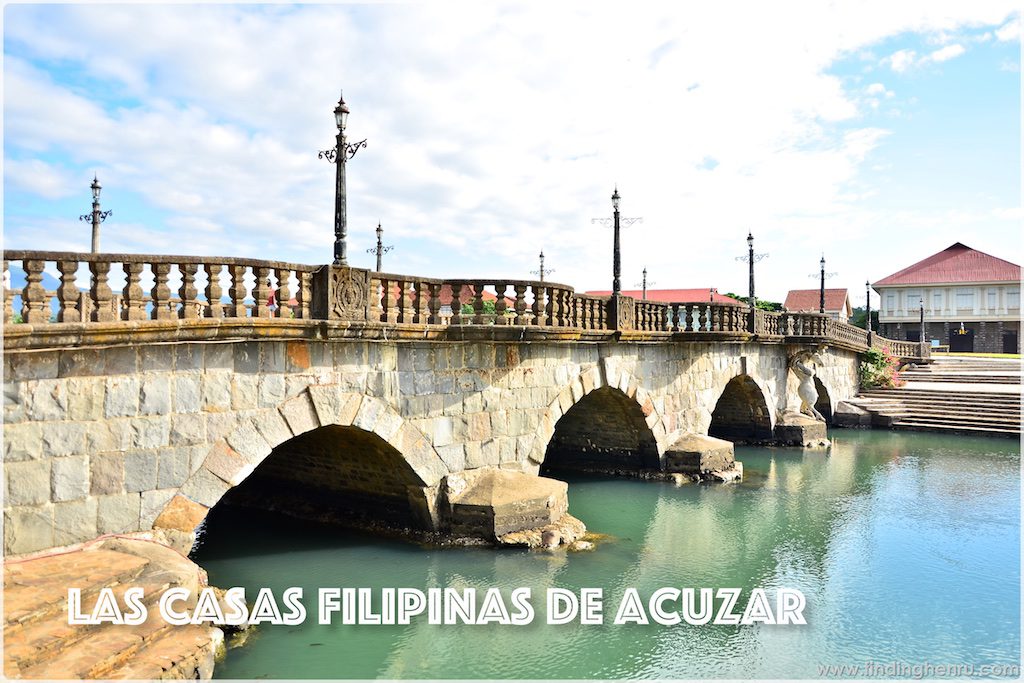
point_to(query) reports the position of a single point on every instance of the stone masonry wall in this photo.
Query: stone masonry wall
(106, 440)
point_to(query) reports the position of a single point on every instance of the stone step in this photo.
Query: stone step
(928, 394)
(28, 645)
(169, 655)
(931, 405)
(36, 589)
(929, 426)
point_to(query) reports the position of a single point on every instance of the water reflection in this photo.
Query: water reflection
(906, 546)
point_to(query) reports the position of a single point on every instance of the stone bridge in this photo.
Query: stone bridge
(345, 393)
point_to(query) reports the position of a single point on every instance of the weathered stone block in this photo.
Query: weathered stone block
(106, 473)
(181, 514)
(328, 402)
(172, 467)
(35, 365)
(118, 514)
(272, 426)
(248, 442)
(270, 391)
(140, 471)
(85, 398)
(188, 357)
(155, 396)
(151, 432)
(187, 395)
(205, 487)
(22, 441)
(27, 529)
(247, 358)
(187, 429)
(216, 390)
(153, 502)
(27, 483)
(491, 502)
(63, 438)
(227, 463)
(387, 425)
(300, 414)
(108, 435)
(156, 358)
(47, 400)
(369, 412)
(74, 521)
(122, 396)
(244, 392)
(798, 430)
(69, 478)
(696, 454)
(220, 356)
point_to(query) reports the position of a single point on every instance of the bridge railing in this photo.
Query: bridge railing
(43, 287)
(147, 287)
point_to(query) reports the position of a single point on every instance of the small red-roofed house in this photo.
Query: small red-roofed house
(837, 302)
(971, 301)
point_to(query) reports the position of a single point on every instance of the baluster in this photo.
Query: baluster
(390, 287)
(68, 293)
(5, 290)
(565, 307)
(421, 301)
(34, 303)
(520, 305)
(577, 310)
(434, 305)
(237, 307)
(537, 308)
(161, 293)
(284, 293)
(214, 292)
(500, 304)
(456, 303)
(478, 303)
(188, 292)
(302, 296)
(552, 306)
(408, 308)
(400, 302)
(132, 295)
(261, 292)
(102, 297)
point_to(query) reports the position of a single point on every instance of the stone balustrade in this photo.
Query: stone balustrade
(106, 288)
(153, 288)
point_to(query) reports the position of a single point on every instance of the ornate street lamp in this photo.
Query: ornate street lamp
(643, 284)
(542, 272)
(97, 216)
(380, 249)
(751, 258)
(824, 276)
(341, 153)
(867, 287)
(617, 222)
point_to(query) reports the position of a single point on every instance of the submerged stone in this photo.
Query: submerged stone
(490, 502)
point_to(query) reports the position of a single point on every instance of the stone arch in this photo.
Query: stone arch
(742, 412)
(824, 403)
(605, 375)
(232, 459)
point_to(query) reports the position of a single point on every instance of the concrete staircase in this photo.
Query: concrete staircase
(40, 644)
(979, 396)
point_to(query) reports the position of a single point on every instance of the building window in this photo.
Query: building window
(937, 302)
(913, 302)
(1013, 298)
(991, 299)
(890, 303)
(965, 300)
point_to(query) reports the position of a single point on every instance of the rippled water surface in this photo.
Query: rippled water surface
(906, 545)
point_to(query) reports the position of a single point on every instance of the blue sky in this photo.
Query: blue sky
(875, 134)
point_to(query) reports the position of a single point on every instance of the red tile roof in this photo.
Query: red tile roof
(677, 296)
(810, 300)
(957, 263)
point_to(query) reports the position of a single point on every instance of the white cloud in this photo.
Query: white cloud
(1010, 30)
(901, 60)
(946, 53)
(45, 180)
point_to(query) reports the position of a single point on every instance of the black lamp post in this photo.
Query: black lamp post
(380, 249)
(921, 335)
(823, 275)
(97, 216)
(643, 284)
(616, 251)
(751, 258)
(341, 153)
(542, 272)
(867, 287)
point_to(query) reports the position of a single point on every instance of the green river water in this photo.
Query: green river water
(906, 545)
